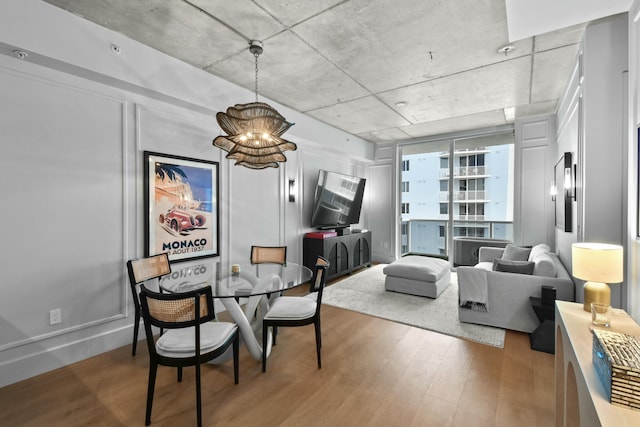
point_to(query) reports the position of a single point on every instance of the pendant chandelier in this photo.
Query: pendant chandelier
(254, 130)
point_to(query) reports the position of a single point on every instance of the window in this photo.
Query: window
(471, 209)
(479, 204)
(405, 208)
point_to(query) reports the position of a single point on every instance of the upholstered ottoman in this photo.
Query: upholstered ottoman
(418, 275)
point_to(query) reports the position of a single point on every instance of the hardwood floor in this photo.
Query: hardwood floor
(374, 373)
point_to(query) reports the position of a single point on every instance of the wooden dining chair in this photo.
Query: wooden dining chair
(289, 311)
(192, 336)
(140, 270)
(268, 254)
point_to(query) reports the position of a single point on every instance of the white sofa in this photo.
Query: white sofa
(505, 294)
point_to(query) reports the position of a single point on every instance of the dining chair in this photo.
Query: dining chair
(288, 311)
(268, 254)
(192, 336)
(140, 270)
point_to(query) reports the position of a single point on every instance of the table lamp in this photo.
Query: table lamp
(598, 264)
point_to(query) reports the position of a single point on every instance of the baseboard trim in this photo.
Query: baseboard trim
(39, 360)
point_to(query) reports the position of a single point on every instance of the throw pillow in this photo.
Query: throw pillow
(516, 253)
(508, 266)
(537, 250)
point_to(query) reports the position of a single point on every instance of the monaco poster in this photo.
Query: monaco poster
(181, 204)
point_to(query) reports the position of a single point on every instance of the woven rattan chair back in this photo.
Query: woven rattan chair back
(268, 254)
(140, 270)
(173, 311)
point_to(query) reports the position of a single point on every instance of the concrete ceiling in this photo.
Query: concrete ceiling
(349, 63)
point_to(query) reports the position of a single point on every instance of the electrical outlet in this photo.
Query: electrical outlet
(55, 316)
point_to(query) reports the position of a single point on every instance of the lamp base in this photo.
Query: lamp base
(596, 292)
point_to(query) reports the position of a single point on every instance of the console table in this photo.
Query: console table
(345, 253)
(581, 399)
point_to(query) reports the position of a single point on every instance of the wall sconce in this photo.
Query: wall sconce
(292, 190)
(553, 191)
(570, 181)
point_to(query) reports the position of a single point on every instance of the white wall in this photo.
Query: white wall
(632, 243)
(591, 124)
(74, 121)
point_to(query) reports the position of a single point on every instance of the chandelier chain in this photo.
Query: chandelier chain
(256, 55)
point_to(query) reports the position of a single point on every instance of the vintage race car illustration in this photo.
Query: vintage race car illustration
(180, 219)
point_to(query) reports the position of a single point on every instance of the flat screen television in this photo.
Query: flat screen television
(337, 201)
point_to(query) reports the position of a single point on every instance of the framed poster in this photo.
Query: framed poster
(181, 207)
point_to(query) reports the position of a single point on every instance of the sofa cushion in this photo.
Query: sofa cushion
(509, 266)
(544, 265)
(488, 266)
(516, 253)
(537, 250)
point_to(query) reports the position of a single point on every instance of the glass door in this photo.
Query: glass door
(456, 188)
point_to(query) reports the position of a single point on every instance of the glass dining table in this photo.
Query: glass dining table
(242, 289)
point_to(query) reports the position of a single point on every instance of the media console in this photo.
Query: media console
(345, 253)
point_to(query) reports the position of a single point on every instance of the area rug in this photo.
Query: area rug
(364, 292)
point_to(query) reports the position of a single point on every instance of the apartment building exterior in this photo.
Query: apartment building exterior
(480, 196)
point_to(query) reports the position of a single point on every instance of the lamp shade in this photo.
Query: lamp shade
(597, 262)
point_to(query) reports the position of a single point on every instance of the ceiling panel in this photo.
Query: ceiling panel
(348, 62)
(415, 40)
(372, 115)
(451, 125)
(551, 71)
(493, 87)
(293, 73)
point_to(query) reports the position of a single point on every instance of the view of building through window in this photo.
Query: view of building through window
(479, 193)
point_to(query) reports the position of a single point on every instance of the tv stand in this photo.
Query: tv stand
(345, 253)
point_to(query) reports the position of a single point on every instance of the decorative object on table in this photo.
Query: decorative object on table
(192, 336)
(140, 270)
(564, 189)
(235, 269)
(548, 295)
(290, 311)
(616, 357)
(601, 314)
(254, 130)
(598, 264)
(181, 207)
